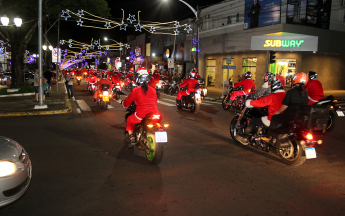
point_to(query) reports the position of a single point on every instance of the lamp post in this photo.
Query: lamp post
(197, 22)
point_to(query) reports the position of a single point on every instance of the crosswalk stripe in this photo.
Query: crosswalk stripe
(83, 105)
(110, 107)
(167, 104)
(78, 110)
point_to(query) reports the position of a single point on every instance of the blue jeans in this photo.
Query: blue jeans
(49, 87)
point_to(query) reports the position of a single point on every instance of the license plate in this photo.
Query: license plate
(117, 87)
(161, 137)
(310, 153)
(105, 98)
(340, 113)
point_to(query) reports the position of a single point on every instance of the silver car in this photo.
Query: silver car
(15, 171)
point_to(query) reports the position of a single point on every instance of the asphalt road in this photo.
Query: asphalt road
(81, 166)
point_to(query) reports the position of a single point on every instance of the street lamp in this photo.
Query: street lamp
(18, 21)
(50, 47)
(5, 20)
(44, 47)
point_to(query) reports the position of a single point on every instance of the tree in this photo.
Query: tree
(28, 11)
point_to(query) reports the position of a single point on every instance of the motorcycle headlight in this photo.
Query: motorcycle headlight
(106, 93)
(199, 92)
(7, 168)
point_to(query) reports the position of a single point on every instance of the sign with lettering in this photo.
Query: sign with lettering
(285, 42)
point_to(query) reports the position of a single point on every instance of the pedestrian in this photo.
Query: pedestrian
(48, 75)
(69, 85)
(36, 83)
(45, 89)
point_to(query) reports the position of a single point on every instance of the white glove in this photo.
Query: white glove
(248, 104)
(265, 85)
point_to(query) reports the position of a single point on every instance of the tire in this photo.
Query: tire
(117, 96)
(298, 156)
(225, 107)
(331, 121)
(195, 108)
(104, 105)
(233, 129)
(156, 154)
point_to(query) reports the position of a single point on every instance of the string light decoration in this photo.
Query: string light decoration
(80, 13)
(131, 18)
(65, 14)
(107, 25)
(188, 28)
(80, 22)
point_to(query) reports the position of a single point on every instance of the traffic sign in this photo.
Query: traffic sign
(56, 54)
(170, 63)
(228, 60)
(229, 67)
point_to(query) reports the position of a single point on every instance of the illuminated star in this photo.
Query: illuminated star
(152, 29)
(107, 25)
(105, 53)
(195, 41)
(188, 28)
(121, 44)
(107, 47)
(83, 51)
(70, 41)
(92, 47)
(27, 52)
(95, 42)
(99, 47)
(138, 27)
(176, 32)
(80, 13)
(177, 24)
(123, 26)
(84, 46)
(80, 22)
(70, 45)
(121, 48)
(128, 46)
(131, 20)
(62, 42)
(65, 14)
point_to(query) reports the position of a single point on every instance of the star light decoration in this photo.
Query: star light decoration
(65, 14)
(62, 42)
(92, 47)
(107, 47)
(80, 22)
(152, 29)
(84, 46)
(70, 45)
(188, 28)
(80, 13)
(177, 24)
(70, 41)
(123, 26)
(95, 42)
(128, 46)
(107, 25)
(105, 53)
(99, 47)
(138, 27)
(121, 48)
(195, 41)
(131, 20)
(176, 31)
(27, 52)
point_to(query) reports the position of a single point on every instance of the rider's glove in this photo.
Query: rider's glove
(248, 104)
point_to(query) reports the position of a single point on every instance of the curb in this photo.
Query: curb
(18, 95)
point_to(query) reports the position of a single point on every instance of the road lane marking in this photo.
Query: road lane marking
(110, 107)
(167, 104)
(78, 110)
(83, 105)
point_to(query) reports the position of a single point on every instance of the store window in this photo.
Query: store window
(211, 72)
(225, 71)
(249, 64)
(284, 67)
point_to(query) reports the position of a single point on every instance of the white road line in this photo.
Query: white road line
(83, 105)
(167, 104)
(110, 107)
(203, 102)
(78, 110)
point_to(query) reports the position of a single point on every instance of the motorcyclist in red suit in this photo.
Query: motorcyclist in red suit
(190, 83)
(99, 84)
(247, 84)
(128, 77)
(146, 100)
(274, 103)
(115, 79)
(156, 76)
(314, 88)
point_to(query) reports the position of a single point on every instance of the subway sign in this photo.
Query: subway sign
(285, 42)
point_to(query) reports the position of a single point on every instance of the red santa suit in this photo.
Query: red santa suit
(128, 78)
(190, 83)
(115, 79)
(99, 84)
(247, 85)
(146, 103)
(315, 91)
(282, 80)
(273, 101)
(156, 76)
(153, 83)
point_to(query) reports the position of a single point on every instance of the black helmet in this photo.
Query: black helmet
(142, 78)
(248, 74)
(312, 75)
(192, 74)
(268, 76)
(276, 84)
(104, 76)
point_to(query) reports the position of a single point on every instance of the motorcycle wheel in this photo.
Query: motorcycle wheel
(78, 83)
(104, 105)
(225, 107)
(172, 92)
(233, 130)
(331, 121)
(117, 96)
(294, 155)
(195, 108)
(155, 155)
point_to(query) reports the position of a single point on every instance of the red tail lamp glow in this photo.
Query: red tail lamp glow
(310, 136)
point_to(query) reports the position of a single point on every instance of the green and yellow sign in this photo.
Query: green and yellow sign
(283, 43)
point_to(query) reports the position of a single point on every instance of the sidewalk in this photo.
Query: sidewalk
(24, 105)
(214, 93)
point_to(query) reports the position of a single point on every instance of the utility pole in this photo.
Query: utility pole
(58, 56)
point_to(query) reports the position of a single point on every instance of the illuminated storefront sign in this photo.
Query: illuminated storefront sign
(284, 42)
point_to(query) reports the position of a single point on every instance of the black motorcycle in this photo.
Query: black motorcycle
(117, 91)
(293, 142)
(192, 101)
(150, 135)
(335, 111)
(239, 101)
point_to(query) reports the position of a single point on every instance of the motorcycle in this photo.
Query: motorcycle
(335, 111)
(117, 91)
(192, 101)
(78, 78)
(239, 101)
(150, 135)
(104, 97)
(294, 142)
(131, 85)
(92, 87)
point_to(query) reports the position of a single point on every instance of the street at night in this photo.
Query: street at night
(82, 166)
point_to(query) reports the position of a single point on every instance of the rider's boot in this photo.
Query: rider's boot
(178, 102)
(132, 141)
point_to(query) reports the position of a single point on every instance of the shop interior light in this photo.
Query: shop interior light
(18, 21)
(5, 20)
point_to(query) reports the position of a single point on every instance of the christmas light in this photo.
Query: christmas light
(123, 26)
(80, 22)
(188, 28)
(80, 13)
(65, 16)
(138, 27)
(177, 24)
(70, 45)
(195, 41)
(176, 32)
(152, 29)
(95, 42)
(70, 41)
(107, 25)
(128, 46)
(27, 52)
(62, 42)
(131, 20)
(107, 47)
(99, 47)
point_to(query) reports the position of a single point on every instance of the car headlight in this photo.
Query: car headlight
(7, 168)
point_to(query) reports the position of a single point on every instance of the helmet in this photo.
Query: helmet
(248, 74)
(312, 75)
(276, 83)
(192, 74)
(268, 76)
(104, 76)
(300, 78)
(142, 78)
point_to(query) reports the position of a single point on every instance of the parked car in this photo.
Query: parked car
(29, 79)
(15, 171)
